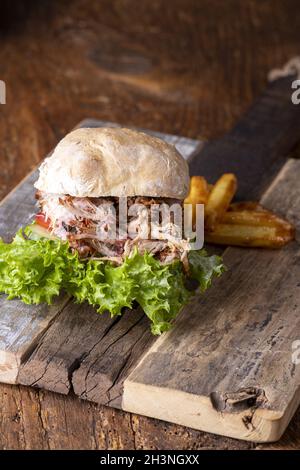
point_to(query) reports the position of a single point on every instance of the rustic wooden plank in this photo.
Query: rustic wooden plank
(71, 342)
(88, 352)
(101, 374)
(17, 208)
(72, 336)
(21, 326)
(226, 367)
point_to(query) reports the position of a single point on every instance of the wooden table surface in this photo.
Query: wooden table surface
(181, 66)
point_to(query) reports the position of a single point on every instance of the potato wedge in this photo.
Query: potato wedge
(256, 218)
(250, 235)
(219, 200)
(199, 191)
(241, 223)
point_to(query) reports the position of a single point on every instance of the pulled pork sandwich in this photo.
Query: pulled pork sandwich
(78, 243)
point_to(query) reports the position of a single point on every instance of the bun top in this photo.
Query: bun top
(97, 162)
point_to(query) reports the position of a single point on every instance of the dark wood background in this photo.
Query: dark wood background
(178, 66)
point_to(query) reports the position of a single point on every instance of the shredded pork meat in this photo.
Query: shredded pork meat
(93, 228)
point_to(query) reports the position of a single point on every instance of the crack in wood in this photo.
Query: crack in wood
(89, 373)
(126, 362)
(51, 355)
(105, 350)
(78, 361)
(241, 400)
(41, 420)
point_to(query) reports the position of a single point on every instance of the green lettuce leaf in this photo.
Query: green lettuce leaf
(160, 290)
(33, 270)
(204, 268)
(103, 285)
(38, 270)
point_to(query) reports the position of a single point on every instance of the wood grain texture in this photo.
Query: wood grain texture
(17, 208)
(71, 337)
(100, 376)
(228, 360)
(88, 353)
(190, 70)
(21, 326)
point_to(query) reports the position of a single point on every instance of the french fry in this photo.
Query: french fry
(199, 191)
(250, 235)
(219, 200)
(241, 223)
(256, 218)
(198, 194)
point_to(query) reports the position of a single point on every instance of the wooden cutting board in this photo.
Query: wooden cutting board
(227, 365)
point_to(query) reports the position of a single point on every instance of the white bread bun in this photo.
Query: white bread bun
(97, 162)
